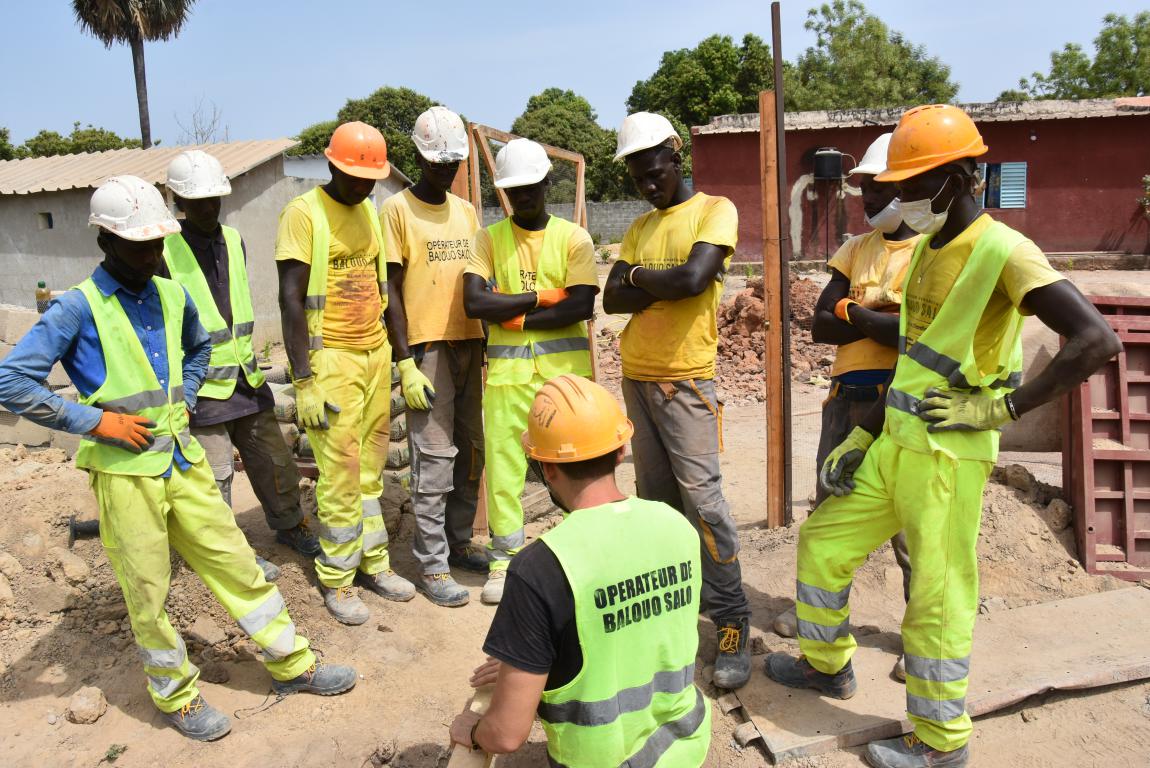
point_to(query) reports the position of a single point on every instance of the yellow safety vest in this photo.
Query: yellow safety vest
(131, 386)
(513, 357)
(943, 355)
(232, 351)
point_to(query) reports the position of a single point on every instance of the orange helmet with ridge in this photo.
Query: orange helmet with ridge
(574, 419)
(359, 150)
(929, 137)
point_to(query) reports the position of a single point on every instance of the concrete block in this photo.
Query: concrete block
(15, 322)
(57, 378)
(14, 429)
(66, 441)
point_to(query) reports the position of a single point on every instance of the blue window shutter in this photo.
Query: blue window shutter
(982, 174)
(1012, 185)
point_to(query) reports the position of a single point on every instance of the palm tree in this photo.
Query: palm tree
(133, 22)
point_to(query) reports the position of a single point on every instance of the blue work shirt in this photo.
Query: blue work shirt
(67, 333)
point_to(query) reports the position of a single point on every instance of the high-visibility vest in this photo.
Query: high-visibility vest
(943, 355)
(131, 386)
(232, 352)
(514, 356)
(316, 298)
(634, 702)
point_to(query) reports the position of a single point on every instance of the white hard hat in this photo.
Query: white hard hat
(132, 208)
(644, 130)
(194, 174)
(440, 137)
(521, 162)
(874, 161)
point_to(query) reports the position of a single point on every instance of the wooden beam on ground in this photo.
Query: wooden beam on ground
(773, 288)
(461, 756)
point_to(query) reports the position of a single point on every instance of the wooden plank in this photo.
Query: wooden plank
(1102, 640)
(777, 378)
(504, 137)
(463, 757)
(473, 166)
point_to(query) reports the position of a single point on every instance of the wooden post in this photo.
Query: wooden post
(473, 170)
(784, 251)
(777, 378)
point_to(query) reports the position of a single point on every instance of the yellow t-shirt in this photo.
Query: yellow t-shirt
(352, 317)
(676, 340)
(528, 247)
(433, 243)
(876, 268)
(929, 285)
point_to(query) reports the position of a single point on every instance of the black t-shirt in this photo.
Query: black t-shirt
(534, 627)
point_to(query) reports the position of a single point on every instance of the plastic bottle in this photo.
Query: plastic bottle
(43, 296)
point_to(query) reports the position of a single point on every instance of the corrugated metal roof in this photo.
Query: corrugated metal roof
(89, 169)
(982, 112)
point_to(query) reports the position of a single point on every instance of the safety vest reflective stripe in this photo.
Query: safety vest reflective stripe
(162, 444)
(951, 369)
(939, 710)
(536, 348)
(262, 615)
(239, 330)
(808, 630)
(341, 535)
(153, 398)
(821, 598)
(163, 658)
(220, 336)
(937, 670)
(901, 401)
(628, 700)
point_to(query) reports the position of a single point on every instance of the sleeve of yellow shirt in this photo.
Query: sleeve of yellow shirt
(392, 225)
(581, 259)
(844, 257)
(720, 224)
(1026, 270)
(627, 247)
(293, 237)
(482, 261)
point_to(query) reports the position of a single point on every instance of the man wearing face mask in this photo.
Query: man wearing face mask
(595, 635)
(920, 464)
(858, 312)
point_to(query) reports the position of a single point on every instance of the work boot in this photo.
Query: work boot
(899, 670)
(300, 539)
(321, 679)
(345, 604)
(910, 751)
(470, 558)
(786, 624)
(493, 590)
(798, 673)
(390, 585)
(200, 721)
(441, 589)
(270, 569)
(733, 659)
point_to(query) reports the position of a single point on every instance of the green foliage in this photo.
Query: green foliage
(114, 752)
(1120, 67)
(313, 139)
(859, 62)
(1013, 94)
(393, 111)
(1144, 201)
(87, 139)
(7, 151)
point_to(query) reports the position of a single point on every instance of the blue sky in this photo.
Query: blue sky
(274, 67)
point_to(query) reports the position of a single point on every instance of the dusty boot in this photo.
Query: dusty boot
(470, 558)
(345, 605)
(911, 752)
(390, 585)
(441, 589)
(270, 569)
(493, 590)
(899, 671)
(200, 721)
(733, 660)
(798, 673)
(321, 679)
(786, 624)
(300, 539)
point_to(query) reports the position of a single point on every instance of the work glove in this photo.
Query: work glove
(514, 324)
(967, 411)
(311, 404)
(836, 476)
(132, 433)
(417, 389)
(550, 297)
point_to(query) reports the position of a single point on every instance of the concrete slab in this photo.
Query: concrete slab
(1102, 639)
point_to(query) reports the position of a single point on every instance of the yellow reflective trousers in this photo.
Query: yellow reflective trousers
(351, 455)
(139, 518)
(937, 502)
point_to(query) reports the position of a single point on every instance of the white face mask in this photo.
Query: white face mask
(919, 215)
(888, 219)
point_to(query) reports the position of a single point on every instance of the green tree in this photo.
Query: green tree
(859, 62)
(133, 22)
(7, 151)
(393, 111)
(313, 139)
(1120, 67)
(88, 139)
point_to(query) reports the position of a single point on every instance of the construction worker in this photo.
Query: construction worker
(235, 407)
(137, 354)
(670, 276)
(920, 463)
(595, 634)
(542, 278)
(427, 233)
(858, 312)
(329, 251)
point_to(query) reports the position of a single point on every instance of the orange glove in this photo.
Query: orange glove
(514, 324)
(550, 297)
(132, 433)
(842, 309)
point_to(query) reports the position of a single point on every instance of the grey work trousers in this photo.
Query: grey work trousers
(840, 415)
(446, 450)
(268, 463)
(676, 454)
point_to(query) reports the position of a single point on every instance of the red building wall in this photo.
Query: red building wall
(1084, 179)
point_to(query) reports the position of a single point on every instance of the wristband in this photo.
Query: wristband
(474, 743)
(842, 309)
(630, 280)
(536, 299)
(1010, 407)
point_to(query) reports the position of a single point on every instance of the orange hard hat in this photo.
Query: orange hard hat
(929, 137)
(359, 149)
(574, 419)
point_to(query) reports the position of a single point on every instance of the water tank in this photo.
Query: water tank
(828, 164)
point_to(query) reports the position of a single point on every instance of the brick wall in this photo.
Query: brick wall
(605, 221)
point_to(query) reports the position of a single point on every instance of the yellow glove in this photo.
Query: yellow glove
(837, 473)
(311, 404)
(417, 389)
(968, 411)
(550, 297)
